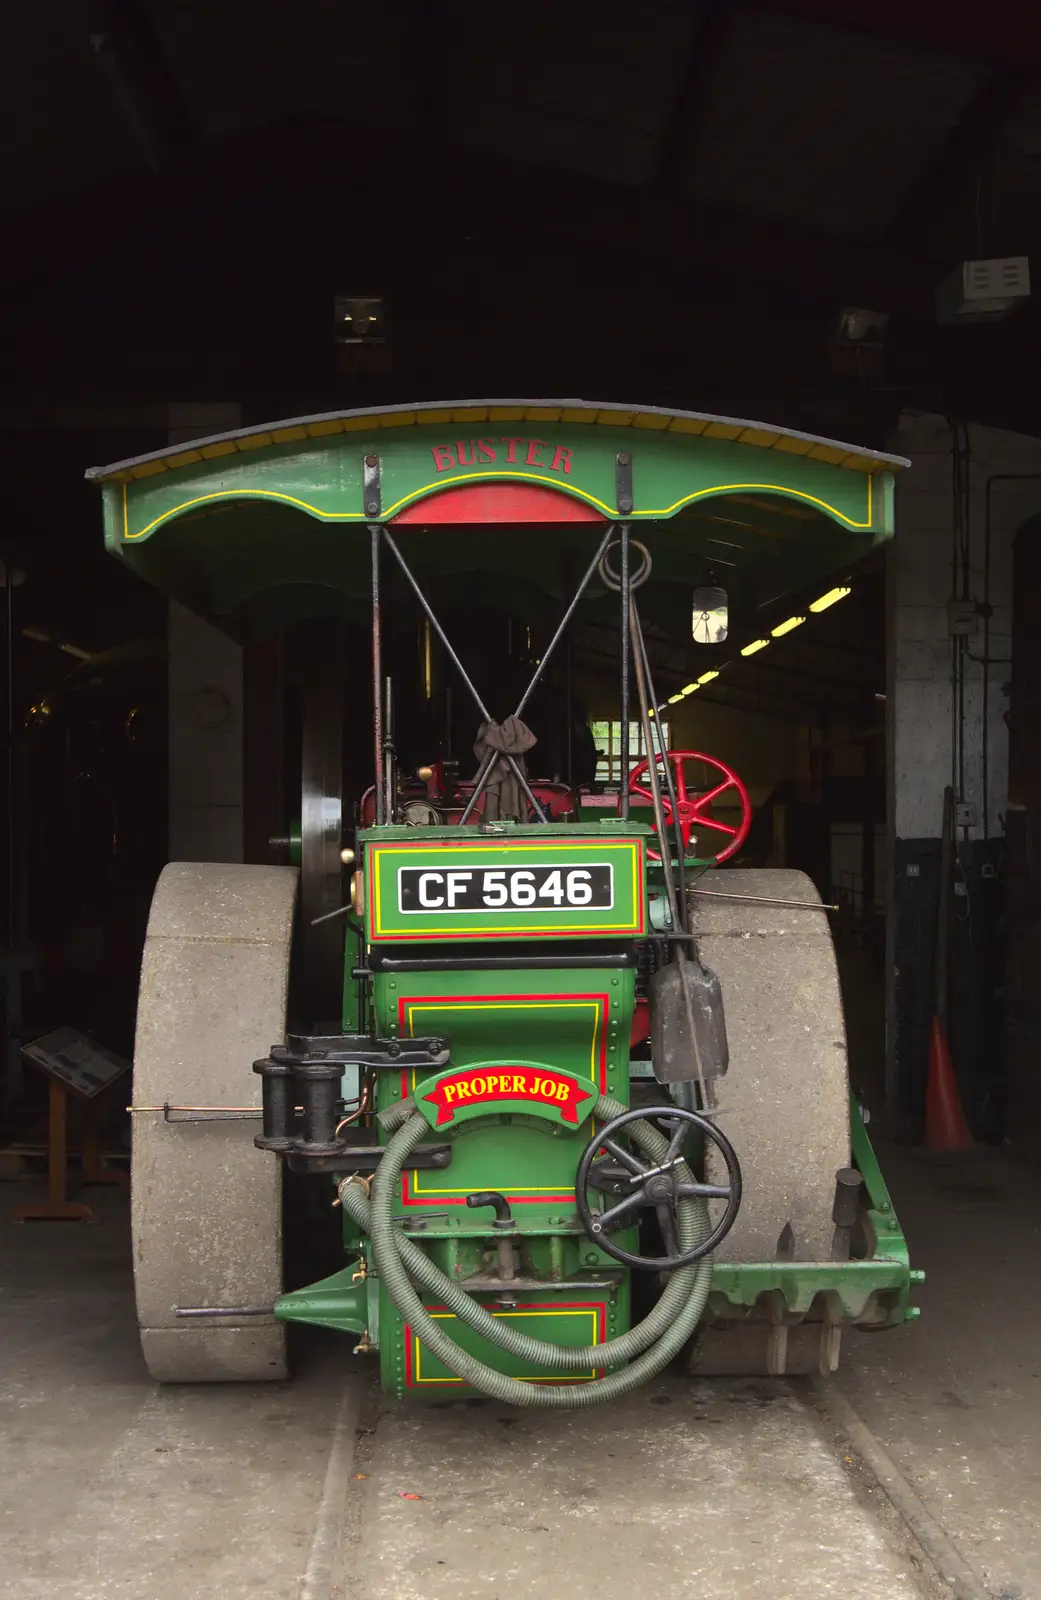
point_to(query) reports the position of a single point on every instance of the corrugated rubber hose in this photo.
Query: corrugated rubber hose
(648, 1347)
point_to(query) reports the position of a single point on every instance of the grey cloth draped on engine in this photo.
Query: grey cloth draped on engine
(504, 795)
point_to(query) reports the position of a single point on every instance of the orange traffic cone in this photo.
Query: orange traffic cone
(945, 1126)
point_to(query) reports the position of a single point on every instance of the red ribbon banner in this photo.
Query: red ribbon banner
(551, 1091)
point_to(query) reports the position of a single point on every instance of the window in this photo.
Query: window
(607, 736)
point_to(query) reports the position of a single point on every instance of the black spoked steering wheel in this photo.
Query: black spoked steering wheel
(641, 1183)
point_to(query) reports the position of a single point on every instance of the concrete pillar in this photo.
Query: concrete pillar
(205, 704)
(929, 720)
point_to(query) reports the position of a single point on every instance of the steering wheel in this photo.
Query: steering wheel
(610, 1167)
(693, 809)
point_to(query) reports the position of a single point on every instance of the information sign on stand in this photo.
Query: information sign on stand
(75, 1066)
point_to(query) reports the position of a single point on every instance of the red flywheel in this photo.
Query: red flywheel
(694, 807)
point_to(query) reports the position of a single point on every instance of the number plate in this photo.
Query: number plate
(521, 888)
(433, 884)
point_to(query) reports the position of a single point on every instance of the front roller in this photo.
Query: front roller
(206, 1212)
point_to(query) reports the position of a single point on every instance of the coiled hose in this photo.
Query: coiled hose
(648, 1347)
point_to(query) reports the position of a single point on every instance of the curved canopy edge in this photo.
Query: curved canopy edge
(452, 412)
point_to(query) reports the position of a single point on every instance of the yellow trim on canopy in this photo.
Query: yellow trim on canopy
(468, 477)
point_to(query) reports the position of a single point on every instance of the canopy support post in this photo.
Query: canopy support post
(377, 677)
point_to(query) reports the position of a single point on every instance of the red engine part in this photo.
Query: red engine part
(556, 799)
(693, 808)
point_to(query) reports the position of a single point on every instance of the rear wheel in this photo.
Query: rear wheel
(784, 1100)
(206, 1205)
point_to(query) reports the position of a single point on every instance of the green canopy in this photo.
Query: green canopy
(249, 528)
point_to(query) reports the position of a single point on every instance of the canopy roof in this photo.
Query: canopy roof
(231, 523)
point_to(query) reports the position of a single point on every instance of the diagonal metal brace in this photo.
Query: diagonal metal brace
(489, 761)
(511, 761)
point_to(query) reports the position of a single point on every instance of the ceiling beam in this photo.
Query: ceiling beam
(306, 156)
(130, 53)
(1005, 31)
(970, 141)
(711, 22)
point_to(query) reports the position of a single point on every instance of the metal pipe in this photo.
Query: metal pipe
(511, 761)
(388, 751)
(623, 736)
(652, 773)
(224, 1311)
(995, 477)
(377, 674)
(485, 771)
(587, 578)
(9, 773)
(640, 645)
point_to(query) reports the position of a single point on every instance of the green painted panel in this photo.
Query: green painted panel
(575, 1021)
(566, 1317)
(546, 882)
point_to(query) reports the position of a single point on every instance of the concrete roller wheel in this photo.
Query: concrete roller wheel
(206, 1205)
(785, 1099)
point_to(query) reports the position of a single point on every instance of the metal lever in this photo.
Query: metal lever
(846, 1209)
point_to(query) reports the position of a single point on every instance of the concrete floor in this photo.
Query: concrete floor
(956, 1397)
(114, 1490)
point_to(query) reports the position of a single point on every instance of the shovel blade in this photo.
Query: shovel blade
(681, 993)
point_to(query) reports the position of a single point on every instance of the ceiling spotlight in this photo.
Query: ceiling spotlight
(829, 599)
(674, 699)
(757, 644)
(688, 688)
(859, 326)
(706, 677)
(786, 627)
(359, 319)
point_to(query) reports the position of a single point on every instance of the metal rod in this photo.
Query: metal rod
(652, 773)
(389, 761)
(329, 916)
(587, 578)
(766, 900)
(640, 645)
(511, 761)
(9, 765)
(377, 674)
(623, 739)
(236, 1111)
(680, 955)
(489, 761)
(223, 1311)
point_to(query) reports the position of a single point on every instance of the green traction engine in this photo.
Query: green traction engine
(577, 1089)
